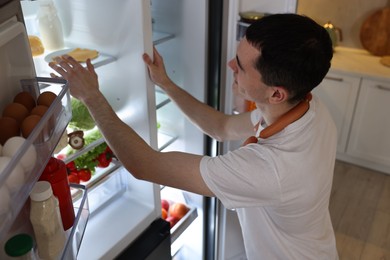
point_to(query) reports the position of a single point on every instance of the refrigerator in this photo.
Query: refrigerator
(118, 216)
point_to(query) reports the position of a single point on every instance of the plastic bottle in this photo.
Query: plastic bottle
(50, 27)
(20, 247)
(46, 222)
(55, 172)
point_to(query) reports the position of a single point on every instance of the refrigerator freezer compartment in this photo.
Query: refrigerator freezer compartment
(39, 145)
(75, 236)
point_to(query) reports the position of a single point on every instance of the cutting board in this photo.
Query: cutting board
(375, 32)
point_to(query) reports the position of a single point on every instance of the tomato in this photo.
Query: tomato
(104, 159)
(71, 166)
(61, 157)
(73, 179)
(178, 210)
(84, 174)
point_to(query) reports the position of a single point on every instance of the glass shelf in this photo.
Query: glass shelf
(183, 224)
(159, 37)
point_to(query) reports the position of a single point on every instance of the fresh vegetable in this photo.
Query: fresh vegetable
(84, 174)
(73, 178)
(81, 119)
(104, 159)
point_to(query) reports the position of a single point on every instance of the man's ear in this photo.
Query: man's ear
(278, 95)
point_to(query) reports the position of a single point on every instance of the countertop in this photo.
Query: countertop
(359, 62)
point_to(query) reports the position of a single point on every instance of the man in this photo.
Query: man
(280, 184)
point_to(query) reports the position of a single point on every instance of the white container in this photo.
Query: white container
(46, 222)
(50, 27)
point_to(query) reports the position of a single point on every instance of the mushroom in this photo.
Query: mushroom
(76, 139)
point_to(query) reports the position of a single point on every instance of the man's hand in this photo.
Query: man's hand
(156, 68)
(83, 82)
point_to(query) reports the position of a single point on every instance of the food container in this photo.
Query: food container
(61, 111)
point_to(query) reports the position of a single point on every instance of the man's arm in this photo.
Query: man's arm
(212, 122)
(175, 169)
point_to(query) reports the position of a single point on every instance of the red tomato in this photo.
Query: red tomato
(73, 179)
(71, 166)
(84, 174)
(178, 210)
(104, 159)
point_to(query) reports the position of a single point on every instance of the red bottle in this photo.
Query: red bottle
(55, 173)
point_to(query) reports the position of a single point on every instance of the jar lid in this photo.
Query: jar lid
(19, 245)
(41, 191)
(251, 16)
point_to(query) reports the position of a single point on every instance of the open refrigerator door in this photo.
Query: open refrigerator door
(113, 208)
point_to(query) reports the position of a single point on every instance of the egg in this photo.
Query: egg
(4, 202)
(46, 98)
(12, 146)
(29, 124)
(15, 179)
(39, 110)
(16, 111)
(8, 128)
(26, 99)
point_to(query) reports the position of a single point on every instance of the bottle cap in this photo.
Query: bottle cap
(41, 191)
(19, 245)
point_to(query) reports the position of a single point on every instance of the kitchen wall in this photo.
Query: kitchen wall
(348, 15)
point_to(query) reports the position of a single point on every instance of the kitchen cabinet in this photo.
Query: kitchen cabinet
(339, 92)
(357, 93)
(370, 130)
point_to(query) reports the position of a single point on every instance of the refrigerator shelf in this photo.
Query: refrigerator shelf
(159, 37)
(183, 224)
(39, 145)
(161, 99)
(164, 140)
(76, 233)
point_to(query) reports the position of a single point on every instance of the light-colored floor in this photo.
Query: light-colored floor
(360, 211)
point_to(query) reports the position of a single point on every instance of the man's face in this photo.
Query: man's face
(247, 80)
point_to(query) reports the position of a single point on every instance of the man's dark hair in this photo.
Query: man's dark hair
(295, 52)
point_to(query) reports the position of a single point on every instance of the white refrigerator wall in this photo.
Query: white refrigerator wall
(230, 242)
(185, 61)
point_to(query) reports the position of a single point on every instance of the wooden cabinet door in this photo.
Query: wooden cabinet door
(370, 132)
(339, 93)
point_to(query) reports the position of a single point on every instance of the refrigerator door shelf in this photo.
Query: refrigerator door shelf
(42, 139)
(76, 233)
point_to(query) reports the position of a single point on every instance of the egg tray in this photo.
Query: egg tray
(43, 138)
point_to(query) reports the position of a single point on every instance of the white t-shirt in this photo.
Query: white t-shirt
(280, 188)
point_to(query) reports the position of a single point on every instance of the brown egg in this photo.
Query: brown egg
(8, 128)
(29, 124)
(26, 99)
(39, 110)
(46, 98)
(16, 111)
